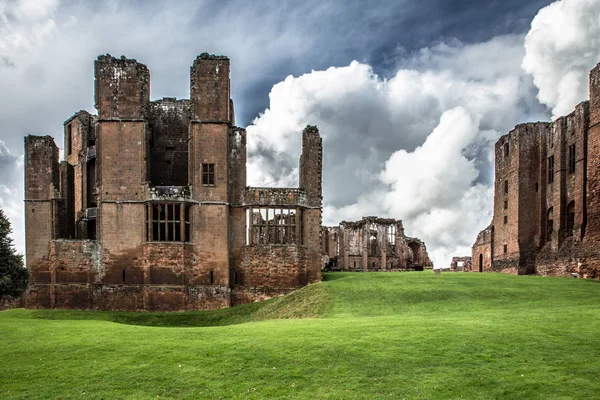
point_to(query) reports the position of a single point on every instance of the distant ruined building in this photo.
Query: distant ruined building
(547, 196)
(150, 209)
(373, 244)
(461, 264)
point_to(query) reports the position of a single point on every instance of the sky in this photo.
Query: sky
(409, 97)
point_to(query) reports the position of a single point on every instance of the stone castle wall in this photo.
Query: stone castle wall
(150, 209)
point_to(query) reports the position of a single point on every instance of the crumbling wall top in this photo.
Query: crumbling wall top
(260, 196)
(207, 56)
(82, 115)
(371, 220)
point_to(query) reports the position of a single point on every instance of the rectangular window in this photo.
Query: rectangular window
(506, 186)
(391, 235)
(550, 169)
(270, 225)
(208, 174)
(505, 249)
(571, 158)
(69, 140)
(506, 219)
(165, 222)
(505, 204)
(506, 149)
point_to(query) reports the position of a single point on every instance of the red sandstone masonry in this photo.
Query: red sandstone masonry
(364, 246)
(563, 251)
(136, 155)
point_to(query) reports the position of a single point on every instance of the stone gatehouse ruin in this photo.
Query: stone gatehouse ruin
(372, 244)
(547, 196)
(150, 210)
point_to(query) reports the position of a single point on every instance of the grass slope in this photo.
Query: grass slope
(364, 335)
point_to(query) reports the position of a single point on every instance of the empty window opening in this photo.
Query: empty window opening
(506, 186)
(505, 249)
(271, 225)
(537, 186)
(373, 264)
(570, 218)
(571, 158)
(481, 263)
(549, 223)
(506, 219)
(354, 264)
(505, 204)
(165, 222)
(91, 229)
(550, 169)
(415, 252)
(212, 277)
(69, 140)
(392, 235)
(208, 174)
(506, 149)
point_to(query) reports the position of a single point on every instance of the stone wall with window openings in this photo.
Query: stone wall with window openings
(391, 235)
(168, 222)
(273, 226)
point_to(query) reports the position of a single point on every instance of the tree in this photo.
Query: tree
(13, 275)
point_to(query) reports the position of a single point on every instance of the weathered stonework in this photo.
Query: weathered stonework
(546, 209)
(461, 264)
(372, 244)
(150, 209)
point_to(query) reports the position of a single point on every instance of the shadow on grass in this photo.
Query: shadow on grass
(309, 302)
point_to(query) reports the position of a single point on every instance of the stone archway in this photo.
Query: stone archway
(414, 246)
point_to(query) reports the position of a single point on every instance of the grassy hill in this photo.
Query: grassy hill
(364, 335)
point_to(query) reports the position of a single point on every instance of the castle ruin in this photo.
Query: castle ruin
(150, 210)
(373, 244)
(547, 196)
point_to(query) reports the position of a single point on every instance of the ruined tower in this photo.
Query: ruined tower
(546, 214)
(150, 209)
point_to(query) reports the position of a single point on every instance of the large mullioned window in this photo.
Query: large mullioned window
(272, 225)
(167, 222)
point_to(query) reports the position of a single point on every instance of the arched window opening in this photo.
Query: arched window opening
(373, 240)
(415, 250)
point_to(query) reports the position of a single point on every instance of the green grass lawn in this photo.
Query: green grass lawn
(410, 335)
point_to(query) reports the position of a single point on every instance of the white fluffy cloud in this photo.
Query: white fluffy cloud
(416, 146)
(561, 48)
(11, 194)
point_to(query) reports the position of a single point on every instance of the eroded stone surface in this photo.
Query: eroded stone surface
(150, 209)
(373, 244)
(546, 208)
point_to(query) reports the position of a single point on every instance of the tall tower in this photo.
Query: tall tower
(208, 166)
(311, 167)
(592, 229)
(41, 208)
(122, 101)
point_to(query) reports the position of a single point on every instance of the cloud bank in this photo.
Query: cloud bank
(562, 46)
(416, 146)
